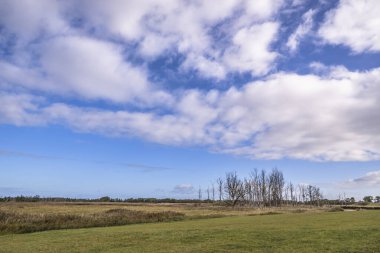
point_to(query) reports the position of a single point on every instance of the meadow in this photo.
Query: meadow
(189, 228)
(24, 217)
(303, 232)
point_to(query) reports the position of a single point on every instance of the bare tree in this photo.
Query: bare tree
(276, 187)
(263, 187)
(213, 192)
(248, 191)
(286, 194)
(200, 193)
(310, 193)
(219, 182)
(234, 188)
(292, 193)
(302, 193)
(255, 187)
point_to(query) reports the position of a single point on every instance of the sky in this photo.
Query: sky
(148, 98)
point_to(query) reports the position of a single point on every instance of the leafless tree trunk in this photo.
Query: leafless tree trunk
(219, 182)
(276, 185)
(255, 187)
(291, 189)
(234, 188)
(263, 187)
(286, 195)
(213, 192)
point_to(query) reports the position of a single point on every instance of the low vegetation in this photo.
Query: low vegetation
(307, 232)
(16, 217)
(15, 222)
(261, 213)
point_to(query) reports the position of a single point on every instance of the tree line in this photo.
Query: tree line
(101, 199)
(261, 189)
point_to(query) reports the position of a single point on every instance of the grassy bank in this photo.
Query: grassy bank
(302, 232)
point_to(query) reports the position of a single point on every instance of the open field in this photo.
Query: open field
(357, 231)
(40, 216)
(189, 209)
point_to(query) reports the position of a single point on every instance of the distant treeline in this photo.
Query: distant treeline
(262, 188)
(102, 199)
(145, 200)
(259, 189)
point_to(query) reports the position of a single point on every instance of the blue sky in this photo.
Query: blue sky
(158, 98)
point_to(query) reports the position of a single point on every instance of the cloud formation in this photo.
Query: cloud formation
(286, 115)
(302, 30)
(354, 24)
(93, 67)
(369, 180)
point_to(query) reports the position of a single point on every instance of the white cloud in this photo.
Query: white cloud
(85, 68)
(308, 117)
(330, 115)
(91, 69)
(329, 118)
(251, 49)
(261, 10)
(354, 24)
(20, 109)
(369, 180)
(186, 27)
(117, 17)
(318, 67)
(206, 67)
(28, 19)
(301, 31)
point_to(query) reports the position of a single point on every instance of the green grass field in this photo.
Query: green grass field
(26, 217)
(357, 231)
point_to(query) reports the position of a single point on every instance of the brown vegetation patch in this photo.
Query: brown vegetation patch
(13, 222)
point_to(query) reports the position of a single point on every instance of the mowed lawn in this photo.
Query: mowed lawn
(304, 232)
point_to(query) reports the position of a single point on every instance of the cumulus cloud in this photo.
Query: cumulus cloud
(92, 69)
(188, 27)
(20, 109)
(369, 180)
(326, 118)
(93, 50)
(27, 19)
(85, 68)
(354, 24)
(79, 48)
(251, 49)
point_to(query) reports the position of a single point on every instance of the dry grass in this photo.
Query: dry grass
(281, 233)
(189, 209)
(21, 217)
(14, 222)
